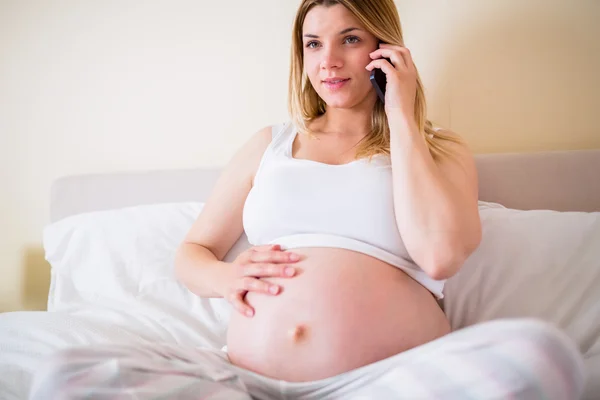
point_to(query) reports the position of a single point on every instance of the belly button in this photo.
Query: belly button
(298, 333)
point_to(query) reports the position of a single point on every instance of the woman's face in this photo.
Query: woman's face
(332, 49)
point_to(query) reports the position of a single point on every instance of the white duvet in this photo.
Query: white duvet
(113, 282)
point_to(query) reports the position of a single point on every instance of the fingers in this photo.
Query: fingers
(250, 284)
(254, 263)
(249, 254)
(246, 285)
(266, 247)
(274, 257)
(384, 65)
(237, 301)
(403, 51)
(396, 59)
(400, 56)
(264, 270)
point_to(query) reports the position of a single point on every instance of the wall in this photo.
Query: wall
(89, 86)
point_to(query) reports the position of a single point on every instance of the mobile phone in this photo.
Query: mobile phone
(378, 81)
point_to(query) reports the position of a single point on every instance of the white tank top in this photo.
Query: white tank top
(304, 203)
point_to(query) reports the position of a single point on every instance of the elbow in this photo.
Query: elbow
(180, 262)
(443, 269)
(445, 261)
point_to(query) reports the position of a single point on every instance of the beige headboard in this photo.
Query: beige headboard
(558, 180)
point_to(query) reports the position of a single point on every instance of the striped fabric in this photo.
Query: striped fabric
(503, 359)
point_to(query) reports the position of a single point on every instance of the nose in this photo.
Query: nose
(330, 59)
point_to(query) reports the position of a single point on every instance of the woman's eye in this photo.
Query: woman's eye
(354, 40)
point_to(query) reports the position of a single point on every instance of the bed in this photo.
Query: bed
(111, 241)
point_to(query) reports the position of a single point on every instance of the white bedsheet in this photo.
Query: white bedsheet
(113, 282)
(27, 337)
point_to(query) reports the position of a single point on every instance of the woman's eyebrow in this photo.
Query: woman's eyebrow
(309, 35)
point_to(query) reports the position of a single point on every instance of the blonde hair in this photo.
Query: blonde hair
(380, 18)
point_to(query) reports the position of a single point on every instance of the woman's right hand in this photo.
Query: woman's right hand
(251, 265)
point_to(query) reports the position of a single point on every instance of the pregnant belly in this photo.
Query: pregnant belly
(341, 311)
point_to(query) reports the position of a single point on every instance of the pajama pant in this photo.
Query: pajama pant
(502, 359)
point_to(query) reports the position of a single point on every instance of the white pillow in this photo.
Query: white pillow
(112, 256)
(122, 259)
(536, 263)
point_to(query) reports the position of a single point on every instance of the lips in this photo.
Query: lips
(335, 80)
(333, 85)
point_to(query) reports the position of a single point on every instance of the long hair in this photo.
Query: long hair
(380, 18)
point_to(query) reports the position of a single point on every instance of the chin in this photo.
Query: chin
(343, 104)
(340, 102)
(344, 100)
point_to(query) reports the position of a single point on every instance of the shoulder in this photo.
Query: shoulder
(447, 132)
(256, 144)
(263, 136)
(261, 139)
(252, 153)
(455, 143)
(248, 155)
(460, 167)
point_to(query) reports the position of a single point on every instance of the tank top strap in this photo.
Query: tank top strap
(282, 134)
(280, 137)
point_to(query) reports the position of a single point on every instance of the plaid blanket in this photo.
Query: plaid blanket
(516, 359)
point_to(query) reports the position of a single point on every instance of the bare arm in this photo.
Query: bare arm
(198, 262)
(435, 203)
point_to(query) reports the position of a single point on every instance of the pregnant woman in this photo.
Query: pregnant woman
(358, 210)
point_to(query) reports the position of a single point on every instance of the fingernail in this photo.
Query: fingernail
(294, 257)
(249, 313)
(289, 271)
(273, 289)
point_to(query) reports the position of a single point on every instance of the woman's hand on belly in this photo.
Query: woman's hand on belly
(250, 266)
(342, 310)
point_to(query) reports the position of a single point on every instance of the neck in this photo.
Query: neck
(346, 122)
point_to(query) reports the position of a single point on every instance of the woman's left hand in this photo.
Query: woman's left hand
(401, 86)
